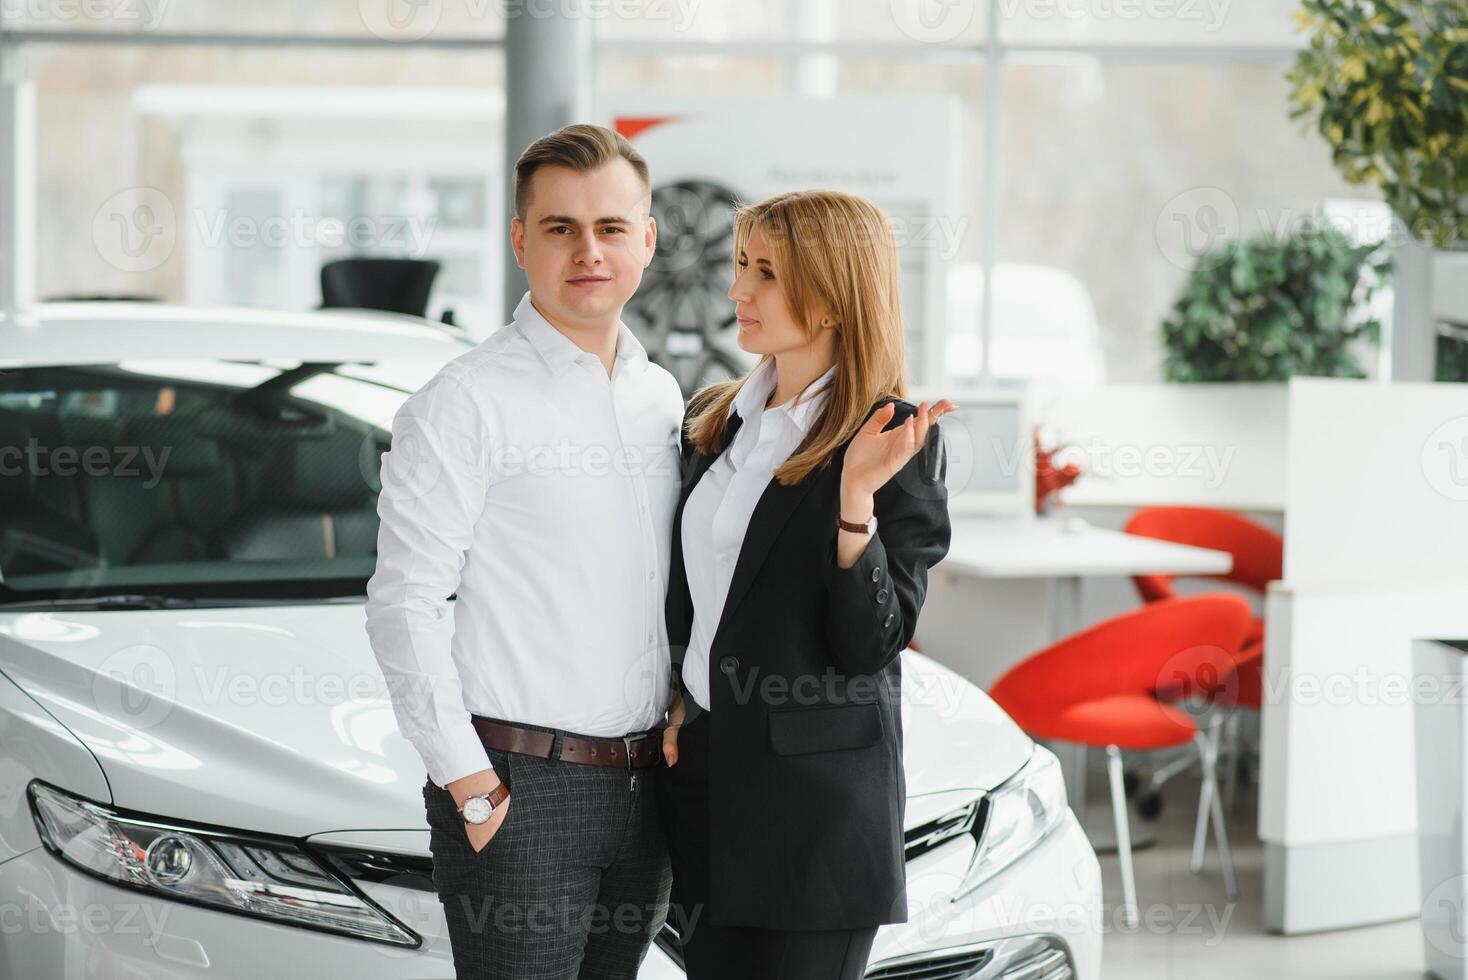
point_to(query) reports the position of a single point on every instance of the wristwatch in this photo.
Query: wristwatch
(478, 809)
(870, 527)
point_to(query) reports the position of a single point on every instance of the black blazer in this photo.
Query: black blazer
(806, 793)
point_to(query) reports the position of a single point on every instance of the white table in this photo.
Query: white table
(1062, 551)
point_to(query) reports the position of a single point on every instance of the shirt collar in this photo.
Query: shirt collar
(559, 351)
(752, 395)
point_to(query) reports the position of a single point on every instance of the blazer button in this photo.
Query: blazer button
(877, 574)
(881, 596)
(887, 623)
(729, 664)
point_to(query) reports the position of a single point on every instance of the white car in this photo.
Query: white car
(200, 772)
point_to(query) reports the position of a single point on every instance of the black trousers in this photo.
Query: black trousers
(574, 884)
(716, 952)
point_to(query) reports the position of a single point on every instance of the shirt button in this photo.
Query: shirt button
(729, 664)
(881, 595)
(877, 574)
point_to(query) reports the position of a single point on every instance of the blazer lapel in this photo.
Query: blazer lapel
(770, 515)
(681, 628)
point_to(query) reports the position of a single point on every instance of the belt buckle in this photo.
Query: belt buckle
(627, 741)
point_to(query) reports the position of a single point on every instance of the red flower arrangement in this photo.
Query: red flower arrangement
(1049, 479)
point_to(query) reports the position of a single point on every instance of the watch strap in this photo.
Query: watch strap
(846, 525)
(496, 796)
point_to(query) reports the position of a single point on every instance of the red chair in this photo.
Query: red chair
(1258, 555)
(1104, 687)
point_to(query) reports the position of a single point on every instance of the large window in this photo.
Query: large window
(1100, 143)
(223, 154)
(228, 174)
(1120, 173)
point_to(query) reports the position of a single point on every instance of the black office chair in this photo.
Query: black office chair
(395, 285)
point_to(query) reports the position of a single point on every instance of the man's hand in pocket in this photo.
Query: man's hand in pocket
(478, 784)
(481, 834)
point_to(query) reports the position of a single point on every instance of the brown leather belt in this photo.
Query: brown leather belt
(629, 752)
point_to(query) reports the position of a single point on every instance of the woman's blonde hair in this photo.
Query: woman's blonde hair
(834, 254)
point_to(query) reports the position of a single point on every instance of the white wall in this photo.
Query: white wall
(1376, 555)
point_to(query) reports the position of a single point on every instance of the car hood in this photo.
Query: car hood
(276, 718)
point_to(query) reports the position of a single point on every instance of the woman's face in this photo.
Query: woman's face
(766, 324)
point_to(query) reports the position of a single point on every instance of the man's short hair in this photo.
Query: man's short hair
(580, 147)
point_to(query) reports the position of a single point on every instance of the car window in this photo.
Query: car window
(223, 475)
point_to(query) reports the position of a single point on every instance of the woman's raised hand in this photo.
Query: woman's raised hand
(874, 456)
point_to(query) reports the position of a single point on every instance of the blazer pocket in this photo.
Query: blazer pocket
(796, 731)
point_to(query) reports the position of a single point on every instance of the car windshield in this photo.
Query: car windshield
(193, 478)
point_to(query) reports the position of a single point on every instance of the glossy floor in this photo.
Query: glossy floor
(1189, 929)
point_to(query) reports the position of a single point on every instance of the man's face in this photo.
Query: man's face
(584, 240)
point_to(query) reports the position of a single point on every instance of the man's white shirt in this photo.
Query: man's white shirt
(542, 491)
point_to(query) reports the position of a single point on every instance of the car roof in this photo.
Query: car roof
(107, 332)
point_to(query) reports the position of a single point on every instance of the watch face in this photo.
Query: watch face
(477, 809)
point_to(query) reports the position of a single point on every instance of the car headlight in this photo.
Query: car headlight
(1020, 813)
(269, 878)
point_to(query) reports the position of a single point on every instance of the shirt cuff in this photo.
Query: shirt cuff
(456, 754)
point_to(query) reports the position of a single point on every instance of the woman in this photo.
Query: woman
(784, 795)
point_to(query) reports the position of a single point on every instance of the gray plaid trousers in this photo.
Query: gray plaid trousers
(573, 886)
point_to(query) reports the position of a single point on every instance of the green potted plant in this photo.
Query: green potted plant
(1276, 306)
(1386, 83)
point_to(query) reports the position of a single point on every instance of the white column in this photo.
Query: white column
(547, 86)
(1409, 343)
(17, 185)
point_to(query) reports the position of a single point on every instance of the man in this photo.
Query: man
(536, 476)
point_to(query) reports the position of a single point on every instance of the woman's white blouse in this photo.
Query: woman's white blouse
(719, 508)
